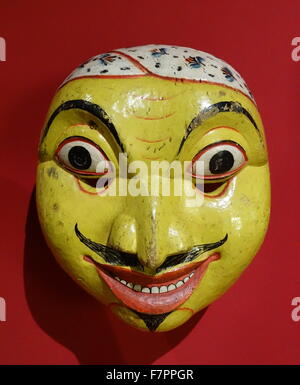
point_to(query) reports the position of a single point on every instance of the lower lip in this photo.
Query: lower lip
(161, 302)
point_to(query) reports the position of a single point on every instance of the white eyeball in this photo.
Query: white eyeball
(219, 160)
(82, 156)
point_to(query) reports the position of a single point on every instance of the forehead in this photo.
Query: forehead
(150, 110)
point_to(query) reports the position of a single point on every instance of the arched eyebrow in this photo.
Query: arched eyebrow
(92, 108)
(213, 110)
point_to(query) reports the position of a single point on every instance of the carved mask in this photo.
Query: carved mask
(154, 257)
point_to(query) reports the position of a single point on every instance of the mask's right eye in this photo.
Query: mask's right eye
(82, 156)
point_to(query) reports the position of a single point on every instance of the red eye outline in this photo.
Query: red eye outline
(76, 171)
(226, 174)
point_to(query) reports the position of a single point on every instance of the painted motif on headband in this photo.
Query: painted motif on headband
(164, 61)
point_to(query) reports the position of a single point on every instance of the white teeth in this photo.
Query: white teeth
(137, 288)
(155, 289)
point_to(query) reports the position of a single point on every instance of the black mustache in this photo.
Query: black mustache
(110, 255)
(121, 258)
(188, 256)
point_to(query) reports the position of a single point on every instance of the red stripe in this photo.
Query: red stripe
(101, 77)
(134, 61)
(154, 118)
(215, 128)
(186, 308)
(152, 141)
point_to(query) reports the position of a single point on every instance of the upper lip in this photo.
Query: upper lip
(144, 279)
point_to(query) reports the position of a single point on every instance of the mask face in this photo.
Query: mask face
(155, 257)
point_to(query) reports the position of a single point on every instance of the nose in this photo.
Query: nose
(152, 228)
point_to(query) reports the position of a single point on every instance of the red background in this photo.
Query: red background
(52, 321)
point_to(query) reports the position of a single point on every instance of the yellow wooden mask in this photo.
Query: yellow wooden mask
(161, 116)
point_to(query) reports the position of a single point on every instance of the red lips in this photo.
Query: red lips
(153, 294)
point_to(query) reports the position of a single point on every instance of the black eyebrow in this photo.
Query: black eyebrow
(213, 110)
(92, 108)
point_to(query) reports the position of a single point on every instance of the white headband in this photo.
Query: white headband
(162, 61)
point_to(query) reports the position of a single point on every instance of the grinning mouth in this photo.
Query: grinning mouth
(156, 294)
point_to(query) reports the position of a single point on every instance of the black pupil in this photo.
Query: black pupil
(80, 158)
(221, 162)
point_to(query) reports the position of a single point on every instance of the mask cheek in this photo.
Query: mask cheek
(245, 219)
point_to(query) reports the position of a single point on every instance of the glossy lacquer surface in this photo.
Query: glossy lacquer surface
(154, 259)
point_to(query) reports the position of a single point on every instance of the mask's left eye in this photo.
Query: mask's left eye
(82, 156)
(219, 160)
